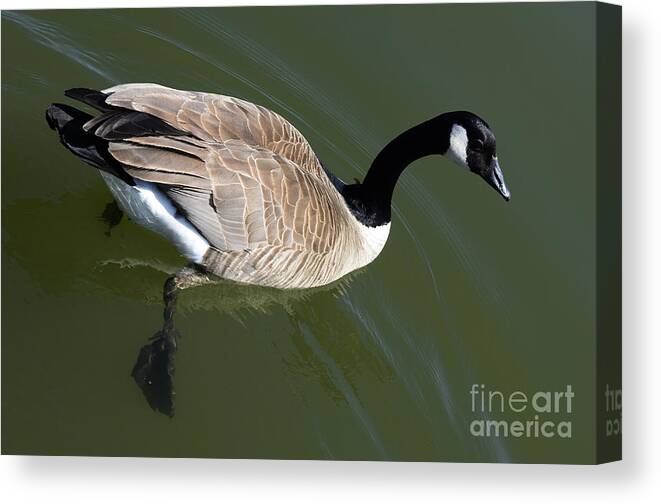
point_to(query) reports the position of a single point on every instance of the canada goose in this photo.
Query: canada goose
(238, 189)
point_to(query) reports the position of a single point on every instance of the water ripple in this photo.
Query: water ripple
(346, 389)
(54, 37)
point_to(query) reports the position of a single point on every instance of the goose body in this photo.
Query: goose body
(241, 194)
(238, 189)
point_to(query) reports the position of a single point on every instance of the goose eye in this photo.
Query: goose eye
(476, 145)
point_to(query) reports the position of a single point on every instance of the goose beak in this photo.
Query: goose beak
(496, 180)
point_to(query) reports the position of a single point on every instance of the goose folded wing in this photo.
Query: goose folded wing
(218, 118)
(239, 197)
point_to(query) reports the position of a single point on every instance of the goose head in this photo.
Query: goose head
(470, 143)
(462, 137)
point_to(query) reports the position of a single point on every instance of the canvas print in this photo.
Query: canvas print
(382, 232)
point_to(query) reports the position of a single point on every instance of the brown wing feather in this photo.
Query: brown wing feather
(161, 166)
(239, 197)
(263, 198)
(217, 118)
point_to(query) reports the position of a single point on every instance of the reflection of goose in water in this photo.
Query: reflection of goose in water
(241, 194)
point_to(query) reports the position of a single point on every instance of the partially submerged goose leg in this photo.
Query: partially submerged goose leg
(155, 366)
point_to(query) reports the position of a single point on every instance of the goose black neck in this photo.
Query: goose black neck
(370, 201)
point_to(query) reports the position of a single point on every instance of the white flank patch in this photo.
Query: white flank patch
(374, 239)
(148, 206)
(458, 143)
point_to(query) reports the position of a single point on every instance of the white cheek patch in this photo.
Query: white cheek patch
(458, 143)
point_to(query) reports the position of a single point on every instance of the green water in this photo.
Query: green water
(469, 289)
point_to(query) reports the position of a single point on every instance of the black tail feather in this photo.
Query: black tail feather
(116, 123)
(68, 122)
(91, 97)
(87, 136)
(58, 115)
(123, 124)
